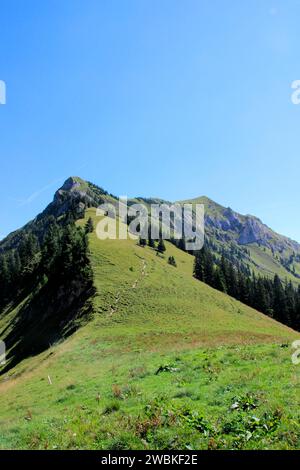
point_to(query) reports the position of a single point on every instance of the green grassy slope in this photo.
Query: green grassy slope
(146, 295)
(268, 265)
(159, 366)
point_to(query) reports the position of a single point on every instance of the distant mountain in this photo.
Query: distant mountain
(244, 229)
(48, 280)
(159, 360)
(244, 239)
(46, 276)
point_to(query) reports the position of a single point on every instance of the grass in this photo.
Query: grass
(166, 362)
(267, 265)
(226, 398)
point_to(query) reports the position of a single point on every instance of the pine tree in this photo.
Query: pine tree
(279, 300)
(219, 280)
(208, 267)
(181, 244)
(142, 241)
(273, 298)
(28, 247)
(161, 248)
(297, 311)
(171, 261)
(89, 226)
(151, 242)
(4, 278)
(51, 248)
(232, 287)
(290, 297)
(199, 266)
(261, 297)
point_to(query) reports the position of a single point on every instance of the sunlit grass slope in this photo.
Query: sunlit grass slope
(166, 362)
(156, 305)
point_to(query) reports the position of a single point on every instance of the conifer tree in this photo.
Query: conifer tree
(199, 266)
(89, 226)
(142, 241)
(219, 280)
(161, 248)
(171, 261)
(151, 242)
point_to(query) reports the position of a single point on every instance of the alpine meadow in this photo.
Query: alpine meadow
(130, 350)
(149, 232)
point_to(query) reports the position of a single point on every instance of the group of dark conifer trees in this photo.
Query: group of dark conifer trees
(158, 244)
(278, 299)
(59, 255)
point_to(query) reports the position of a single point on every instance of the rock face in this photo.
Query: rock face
(70, 184)
(228, 220)
(227, 225)
(72, 195)
(233, 219)
(76, 194)
(253, 231)
(72, 188)
(246, 241)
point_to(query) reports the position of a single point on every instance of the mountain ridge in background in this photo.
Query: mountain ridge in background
(44, 270)
(110, 345)
(244, 237)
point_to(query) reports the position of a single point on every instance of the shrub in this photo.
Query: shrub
(111, 407)
(171, 261)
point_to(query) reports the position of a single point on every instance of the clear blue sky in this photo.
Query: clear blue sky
(161, 98)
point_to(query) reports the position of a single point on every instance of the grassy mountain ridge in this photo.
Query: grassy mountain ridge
(244, 238)
(152, 358)
(223, 233)
(158, 365)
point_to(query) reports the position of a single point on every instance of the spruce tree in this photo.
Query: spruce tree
(279, 300)
(142, 241)
(151, 242)
(199, 266)
(219, 280)
(171, 261)
(89, 226)
(161, 248)
(208, 267)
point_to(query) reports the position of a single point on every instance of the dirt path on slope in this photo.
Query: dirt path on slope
(143, 273)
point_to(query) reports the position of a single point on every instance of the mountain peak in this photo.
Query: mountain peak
(76, 194)
(73, 182)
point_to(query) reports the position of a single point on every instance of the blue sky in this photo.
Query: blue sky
(161, 98)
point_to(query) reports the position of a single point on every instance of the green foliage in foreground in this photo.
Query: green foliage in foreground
(228, 398)
(166, 362)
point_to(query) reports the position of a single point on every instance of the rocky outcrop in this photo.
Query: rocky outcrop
(224, 224)
(254, 231)
(76, 195)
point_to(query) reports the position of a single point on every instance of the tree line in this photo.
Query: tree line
(60, 255)
(273, 297)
